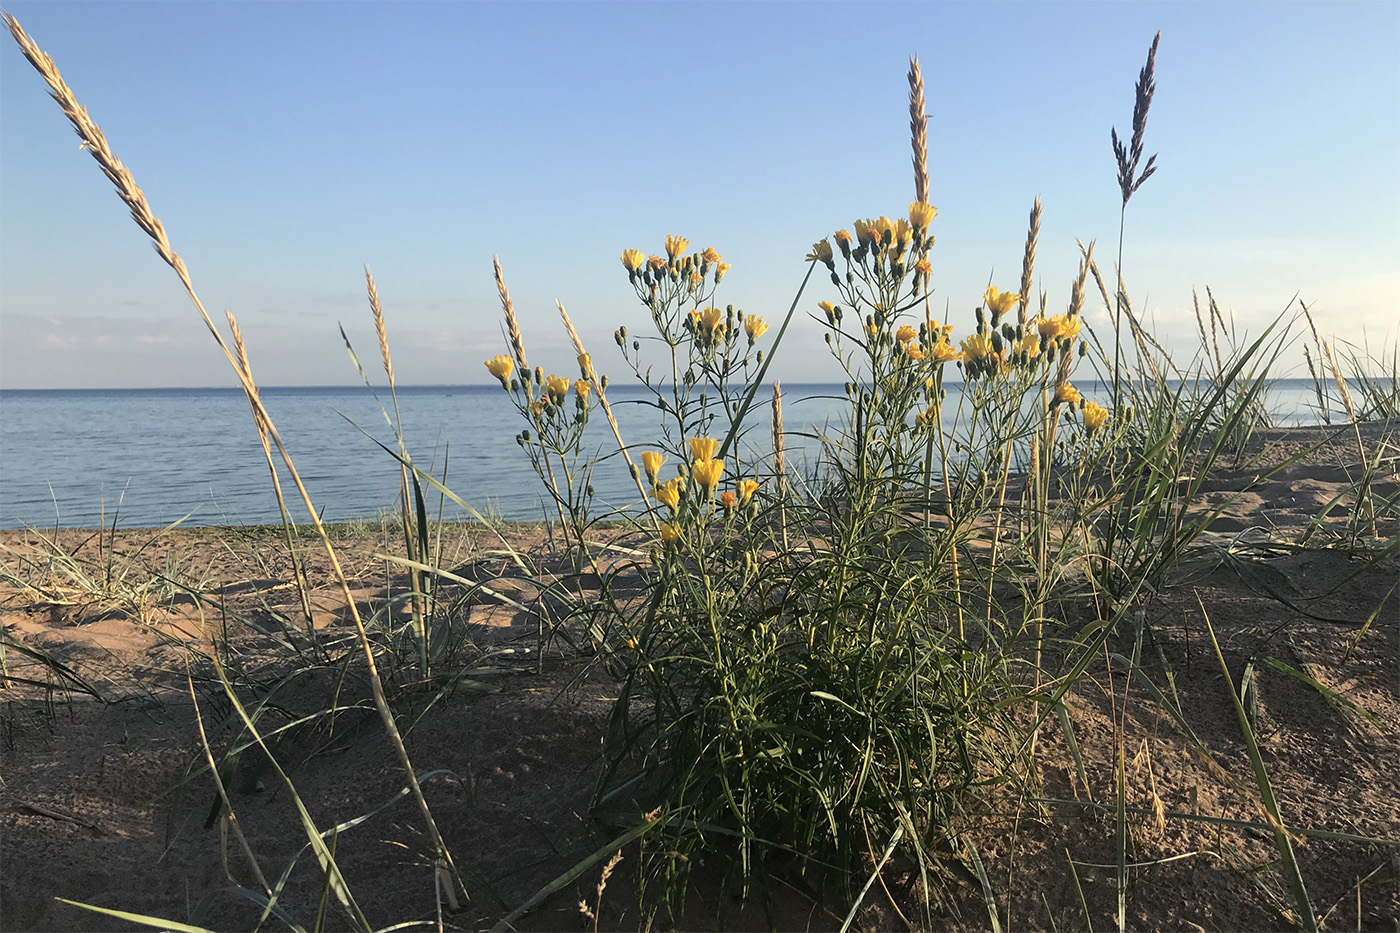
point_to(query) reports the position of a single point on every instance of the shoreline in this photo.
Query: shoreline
(1335, 445)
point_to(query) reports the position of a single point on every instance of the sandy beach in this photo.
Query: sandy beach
(106, 800)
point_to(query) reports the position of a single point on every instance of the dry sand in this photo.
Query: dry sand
(94, 806)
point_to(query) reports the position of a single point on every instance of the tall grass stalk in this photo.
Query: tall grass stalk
(96, 143)
(1129, 181)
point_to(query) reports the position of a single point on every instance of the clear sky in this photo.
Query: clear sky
(287, 145)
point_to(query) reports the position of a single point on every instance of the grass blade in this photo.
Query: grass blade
(1306, 918)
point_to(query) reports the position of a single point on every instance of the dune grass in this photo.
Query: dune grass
(822, 674)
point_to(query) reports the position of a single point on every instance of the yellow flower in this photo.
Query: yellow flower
(944, 352)
(720, 270)
(728, 500)
(843, 239)
(977, 347)
(633, 259)
(924, 267)
(883, 227)
(712, 319)
(675, 245)
(926, 416)
(670, 532)
(1066, 394)
(501, 367)
(556, 386)
(708, 472)
(1000, 302)
(581, 389)
(905, 333)
(703, 448)
(866, 232)
(903, 235)
(1059, 325)
(755, 327)
(939, 331)
(747, 487)
(710, 256)
(669, 493)
(1029, 344)
(1095, 416)
(585, 365)
(921, 214)
(915, 351)
(696, 279)
(651, 462)
(656, 262)
(821, 252)
(830, 310)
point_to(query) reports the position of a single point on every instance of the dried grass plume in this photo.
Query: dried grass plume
(918, 129)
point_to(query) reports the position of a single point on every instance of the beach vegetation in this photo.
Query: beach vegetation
(827, 680)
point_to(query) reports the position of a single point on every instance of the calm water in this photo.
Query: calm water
(157, 454)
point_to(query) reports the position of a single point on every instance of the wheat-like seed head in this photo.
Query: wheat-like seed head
(1087, 252)
(379, 327)
(517, 343)
(1076, 295)
(779, 462)
(1311, 325)
(602, 396)
(1217, 324)
(1200, 323)
(241, 352)
(1028, 262)
(779, 448)
(1128, 157)
(918, 129)
(95, 142)
(145, 218)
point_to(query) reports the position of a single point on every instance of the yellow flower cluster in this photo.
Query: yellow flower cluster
(709, 325)
(675, 267)
(706, 470)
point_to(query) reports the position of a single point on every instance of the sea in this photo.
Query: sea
(144, 458)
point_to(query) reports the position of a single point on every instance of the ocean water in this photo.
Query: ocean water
(75, 458)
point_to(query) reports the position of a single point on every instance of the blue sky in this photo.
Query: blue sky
(287, 145)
